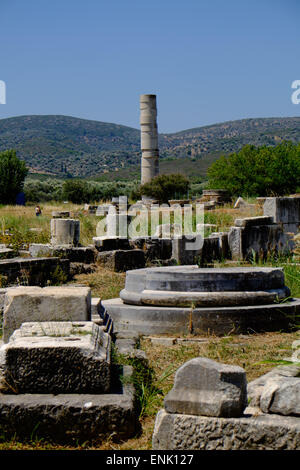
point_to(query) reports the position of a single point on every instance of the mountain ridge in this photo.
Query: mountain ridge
(63, 145)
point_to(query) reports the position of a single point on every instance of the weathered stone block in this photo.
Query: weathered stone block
(56, 357)
(39, 250)
(285, 210)
(257, 240)
(154, 249)
(24, 304)
(121, 260)
(72, 417)
(33, 271)
(111, 243)
(254, 221)
(278, 391)
(75, 254)
(187, 250)
(251, 432)
(208, 388)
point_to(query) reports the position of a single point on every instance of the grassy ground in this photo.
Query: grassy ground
(247, 351)
(17, 222)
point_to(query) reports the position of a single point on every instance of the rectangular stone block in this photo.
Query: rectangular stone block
(122, 260)
(33, 271)
(187, 250)
(23, 304)
(254, 221)
(72, 417)
(56, 357)
(250, 432)
(39, 249)
(208, 388)
(111, 243)
(284, 210)
(260, 240)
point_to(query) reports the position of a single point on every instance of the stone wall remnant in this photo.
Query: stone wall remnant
(285, 211)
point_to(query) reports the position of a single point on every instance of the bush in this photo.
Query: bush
(164, 188)
(258, 171)
(75, 191)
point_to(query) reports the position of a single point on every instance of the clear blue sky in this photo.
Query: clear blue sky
(208, 61)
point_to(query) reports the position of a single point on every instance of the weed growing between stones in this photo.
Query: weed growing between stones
(3, 281)
(58, 277)
(147, 386)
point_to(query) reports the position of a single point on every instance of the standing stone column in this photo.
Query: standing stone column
(65, 232)
(149, 138)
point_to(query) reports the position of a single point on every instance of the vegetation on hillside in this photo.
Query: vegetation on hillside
(67, 146)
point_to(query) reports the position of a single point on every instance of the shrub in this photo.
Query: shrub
(258, 171)
(165, 187)
(75, 191)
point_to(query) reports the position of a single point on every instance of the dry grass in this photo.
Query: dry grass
(103, 283)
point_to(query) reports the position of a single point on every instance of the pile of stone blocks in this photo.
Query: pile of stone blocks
(214, 197)
(207, 410)
(58, 382)
(257, 237)
(57, 378)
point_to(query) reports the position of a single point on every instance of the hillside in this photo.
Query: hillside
(62, 145)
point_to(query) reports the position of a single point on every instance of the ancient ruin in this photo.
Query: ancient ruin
(185, 299)
(149, 138)
(57, 362)
(207, 409)
(59, 376)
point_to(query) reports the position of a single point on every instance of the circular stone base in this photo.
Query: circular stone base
(186, 286)
(147, 320)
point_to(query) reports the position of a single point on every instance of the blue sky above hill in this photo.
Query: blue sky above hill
(208, 61)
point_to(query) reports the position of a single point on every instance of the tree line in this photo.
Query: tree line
(253, 171)
(258, 171)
